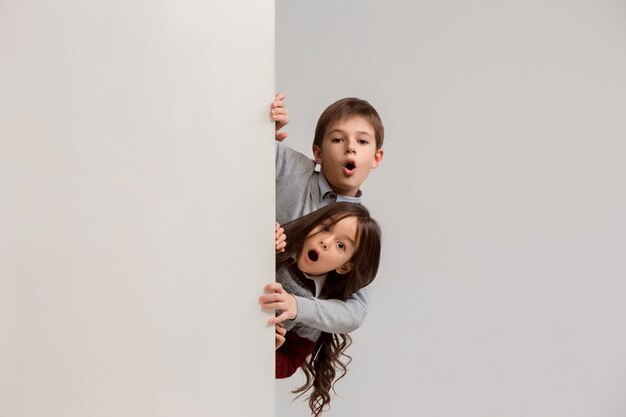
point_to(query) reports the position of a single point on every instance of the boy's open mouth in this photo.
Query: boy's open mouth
(313, 255)
(349, 167)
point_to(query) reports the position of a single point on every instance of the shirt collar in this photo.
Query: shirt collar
(312, 283)
(327, 193)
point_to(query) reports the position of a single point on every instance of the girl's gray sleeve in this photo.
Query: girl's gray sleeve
(333, 316)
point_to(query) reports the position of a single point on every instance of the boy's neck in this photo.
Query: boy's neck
(325, 187)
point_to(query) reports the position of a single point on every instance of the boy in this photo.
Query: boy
(347, 145)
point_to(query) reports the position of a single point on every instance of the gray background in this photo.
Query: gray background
(130, 260)
(501, 195)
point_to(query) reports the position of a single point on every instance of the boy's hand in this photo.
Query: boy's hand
(281, 239)
(276, 298)
(280, 335)
(280, 115)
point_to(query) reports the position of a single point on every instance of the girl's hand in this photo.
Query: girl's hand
(280, 335)
(276, 298)
(280, 115)
(281, 239)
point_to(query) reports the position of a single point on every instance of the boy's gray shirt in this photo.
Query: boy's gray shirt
(298, 194)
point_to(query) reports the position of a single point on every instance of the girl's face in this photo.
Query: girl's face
(329, 247)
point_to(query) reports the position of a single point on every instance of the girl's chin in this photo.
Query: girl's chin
(302, 266)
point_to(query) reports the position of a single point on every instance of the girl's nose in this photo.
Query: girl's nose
(323, 243)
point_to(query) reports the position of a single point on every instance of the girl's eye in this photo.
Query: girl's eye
(341, 245)
(325, 227)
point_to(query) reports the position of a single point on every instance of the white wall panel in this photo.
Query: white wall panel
(136, 208)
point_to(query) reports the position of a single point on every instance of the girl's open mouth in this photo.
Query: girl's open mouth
(313, 255)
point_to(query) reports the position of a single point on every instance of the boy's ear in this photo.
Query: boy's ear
(317, 154)
(345, 268)
(378, 157)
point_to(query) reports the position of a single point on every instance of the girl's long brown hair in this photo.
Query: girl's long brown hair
(326, 358)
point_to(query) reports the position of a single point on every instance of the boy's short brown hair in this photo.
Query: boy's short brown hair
(347, 108)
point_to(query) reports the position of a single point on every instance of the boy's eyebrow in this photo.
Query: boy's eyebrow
(362, 132)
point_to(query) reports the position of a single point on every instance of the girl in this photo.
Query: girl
(331, 253)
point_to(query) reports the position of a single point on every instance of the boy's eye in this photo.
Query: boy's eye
(362, 142)
(336, 140)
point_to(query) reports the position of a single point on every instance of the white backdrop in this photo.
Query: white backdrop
(501, 198)
(134, 141)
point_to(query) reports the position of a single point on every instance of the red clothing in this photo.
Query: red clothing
(292, 354)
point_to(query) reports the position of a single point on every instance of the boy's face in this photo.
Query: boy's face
(329, 247)
(348, 154)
